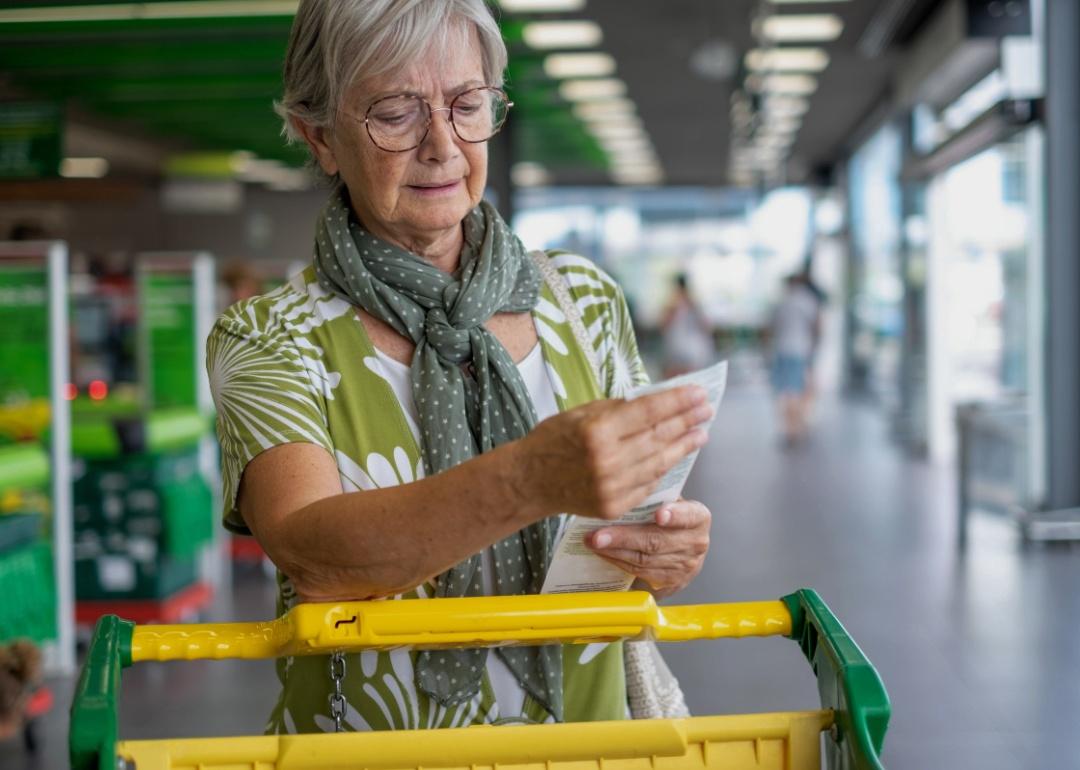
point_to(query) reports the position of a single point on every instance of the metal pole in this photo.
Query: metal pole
(1063, 253)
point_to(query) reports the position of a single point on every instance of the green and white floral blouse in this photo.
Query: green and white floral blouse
(296, 365)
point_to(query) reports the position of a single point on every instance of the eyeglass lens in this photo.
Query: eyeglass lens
(400, 122)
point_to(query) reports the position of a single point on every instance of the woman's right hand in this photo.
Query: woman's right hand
(604, 458)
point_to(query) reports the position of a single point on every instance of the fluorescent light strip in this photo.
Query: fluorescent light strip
(607, 109)
(588, 90)
(542, 6)
(84, 168)
(529, 174)
(643, 177)
(624, 126)
(808, 27)
(787, 60)
(579, 65)
(784, 106)
(164, 10)
(546, 35)
(796, 84)
(639, 143)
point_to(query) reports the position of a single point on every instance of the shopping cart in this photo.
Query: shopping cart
(850, 724)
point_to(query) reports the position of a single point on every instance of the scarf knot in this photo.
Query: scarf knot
(451, 342)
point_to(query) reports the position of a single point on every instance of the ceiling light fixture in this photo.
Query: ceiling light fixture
(787, 59)
(588, 90)
(605, 109)
(163, 10)
(784, 107)
(779, 127)
(84, 168)
(639, 143)
(615, 130)
(542, 6)
(797, 28)
(799, 85)
(579, 65)
(547, 35)
(644, 176)
(529, 174)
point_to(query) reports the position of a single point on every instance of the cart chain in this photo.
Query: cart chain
(337, 700)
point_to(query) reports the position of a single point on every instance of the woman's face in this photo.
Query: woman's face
(414, 197)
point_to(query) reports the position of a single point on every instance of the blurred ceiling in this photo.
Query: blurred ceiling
(208, 83)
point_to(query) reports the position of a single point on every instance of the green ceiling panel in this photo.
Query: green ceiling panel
(137, 57)
(211, 81)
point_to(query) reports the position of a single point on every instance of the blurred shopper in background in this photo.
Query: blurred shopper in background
(795, 332)
(687, 335)
(241, 281)
(410, 416)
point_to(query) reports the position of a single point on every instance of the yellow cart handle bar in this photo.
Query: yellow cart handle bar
(311, 629)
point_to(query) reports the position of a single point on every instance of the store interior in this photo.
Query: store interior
(915, 160)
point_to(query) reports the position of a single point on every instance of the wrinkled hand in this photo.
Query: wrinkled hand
(665, 555)
(604, 458)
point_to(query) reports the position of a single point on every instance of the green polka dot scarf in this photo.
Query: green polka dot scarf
(469, 396)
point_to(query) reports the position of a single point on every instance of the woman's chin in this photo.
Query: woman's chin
(440, 214)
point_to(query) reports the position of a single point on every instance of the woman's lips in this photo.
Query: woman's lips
(435, 190)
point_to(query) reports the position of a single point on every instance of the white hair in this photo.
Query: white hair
(333, 43)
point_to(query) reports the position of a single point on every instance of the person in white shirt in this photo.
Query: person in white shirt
(796, 330)
(688, 339)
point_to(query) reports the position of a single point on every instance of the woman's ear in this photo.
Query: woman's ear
(316, 139)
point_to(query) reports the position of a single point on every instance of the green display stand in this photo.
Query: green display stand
(23, 465)
(36, 580)
(28, 610)
(144, 508)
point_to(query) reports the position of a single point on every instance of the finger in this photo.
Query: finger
(643, 413)
(656, 578)
(635, 481)
(683, 514)
(646, 539)
(646, 443)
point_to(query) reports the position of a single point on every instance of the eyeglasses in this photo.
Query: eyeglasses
(400, 123)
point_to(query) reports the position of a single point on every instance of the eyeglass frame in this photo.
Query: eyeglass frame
(431, 116)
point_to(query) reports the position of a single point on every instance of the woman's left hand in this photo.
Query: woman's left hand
(667, 554)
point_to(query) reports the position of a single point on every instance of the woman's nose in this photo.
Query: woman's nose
(441, 137)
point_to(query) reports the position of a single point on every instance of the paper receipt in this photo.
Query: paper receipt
(574, 566)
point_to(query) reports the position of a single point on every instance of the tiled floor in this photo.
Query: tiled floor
(980, 653)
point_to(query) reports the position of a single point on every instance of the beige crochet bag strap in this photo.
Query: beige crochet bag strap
(555, 281)
(652, 691)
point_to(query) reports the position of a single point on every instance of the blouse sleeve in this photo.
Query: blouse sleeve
(623, 367)
(264, 395)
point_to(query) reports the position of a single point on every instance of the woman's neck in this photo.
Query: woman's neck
(442, 251)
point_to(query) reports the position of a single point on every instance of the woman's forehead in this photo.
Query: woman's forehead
(441, 71)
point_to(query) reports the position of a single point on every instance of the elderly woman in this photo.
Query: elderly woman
(412, 415)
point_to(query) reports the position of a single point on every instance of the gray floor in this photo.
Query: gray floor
(980, 654)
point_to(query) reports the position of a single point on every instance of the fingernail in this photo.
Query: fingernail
(663, 516)
(602, 540)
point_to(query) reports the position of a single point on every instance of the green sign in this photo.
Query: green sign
(168, 317)
(30, 140)
(24, 333)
